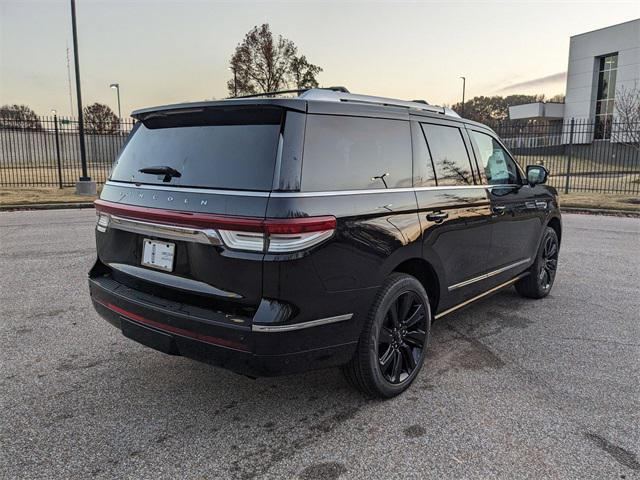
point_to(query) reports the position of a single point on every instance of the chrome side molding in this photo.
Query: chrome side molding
(488, 275)
(300, 326)
(482, 295)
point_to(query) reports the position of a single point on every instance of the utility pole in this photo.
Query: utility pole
(84, 186)
(235, 81)
(464, 84)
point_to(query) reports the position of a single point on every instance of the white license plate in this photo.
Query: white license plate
(158, 255)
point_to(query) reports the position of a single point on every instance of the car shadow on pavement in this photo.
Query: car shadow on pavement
(457, 340)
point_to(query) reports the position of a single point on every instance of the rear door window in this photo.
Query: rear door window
(355, 153)
(449, 154)
(221, 149)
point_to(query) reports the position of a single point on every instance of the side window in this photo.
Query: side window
(355, 153)
(449, 155)
(496, 165)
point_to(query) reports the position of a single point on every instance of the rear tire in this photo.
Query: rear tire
(543, 271)
(394, 338)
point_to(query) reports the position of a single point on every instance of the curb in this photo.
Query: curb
(600, 211)
(45, 206)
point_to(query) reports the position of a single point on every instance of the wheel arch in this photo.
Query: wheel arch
(426, 275)
(554, 222)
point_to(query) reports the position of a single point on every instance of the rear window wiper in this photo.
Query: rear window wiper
(168, 172)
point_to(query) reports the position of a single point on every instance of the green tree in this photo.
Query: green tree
(19, 117)
(100, 119)
(262, 63)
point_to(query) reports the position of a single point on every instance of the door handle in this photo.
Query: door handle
(499, 209)
(437, 217)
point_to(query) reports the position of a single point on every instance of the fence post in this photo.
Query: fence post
(569, 149)
(55, 126)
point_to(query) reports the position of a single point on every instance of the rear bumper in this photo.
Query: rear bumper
(217, 338)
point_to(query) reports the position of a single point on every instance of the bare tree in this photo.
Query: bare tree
(303, 74)
(626, 126)
(19, 117)
(262, 63)
(455, 172)
(100, 119)
(558, 98)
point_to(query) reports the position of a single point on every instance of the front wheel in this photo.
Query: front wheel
(392, 345)
(543, 271)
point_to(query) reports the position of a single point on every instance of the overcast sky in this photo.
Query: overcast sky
(174, 51)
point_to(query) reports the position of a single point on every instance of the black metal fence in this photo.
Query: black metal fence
(45, 151)
(580, 155)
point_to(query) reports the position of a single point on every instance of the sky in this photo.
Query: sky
(168, 51)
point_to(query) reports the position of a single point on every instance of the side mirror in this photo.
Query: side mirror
(536, 174)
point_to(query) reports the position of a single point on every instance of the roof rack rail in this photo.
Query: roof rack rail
(330, 95)
(298, 91)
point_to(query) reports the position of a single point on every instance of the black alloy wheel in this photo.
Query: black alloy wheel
(549, 263)
(402, 337)
(542, 274)
(394, 338)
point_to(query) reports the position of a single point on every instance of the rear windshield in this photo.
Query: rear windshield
(225, 149)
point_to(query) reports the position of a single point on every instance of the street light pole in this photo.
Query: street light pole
(464, 84)
(116, 86)
(235, 83)
(84, 186)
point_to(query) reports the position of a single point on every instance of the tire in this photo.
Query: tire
(543, 271)
(394, 338)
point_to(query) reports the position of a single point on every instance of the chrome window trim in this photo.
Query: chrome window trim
(337, 193)
(488, 275)
(331, 193)
(323, 193)
(299, 326)
(176, 189)
(205, 235)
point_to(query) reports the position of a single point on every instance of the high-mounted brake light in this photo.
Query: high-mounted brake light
(273, 235)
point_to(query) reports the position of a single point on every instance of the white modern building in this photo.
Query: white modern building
(602, 64)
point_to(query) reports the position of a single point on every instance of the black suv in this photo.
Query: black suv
(274, 235)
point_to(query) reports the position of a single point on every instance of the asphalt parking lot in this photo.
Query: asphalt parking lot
(513, 388)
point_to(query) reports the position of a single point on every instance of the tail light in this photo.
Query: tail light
(238, 233)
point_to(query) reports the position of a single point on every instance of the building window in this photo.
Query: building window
(608, 68)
